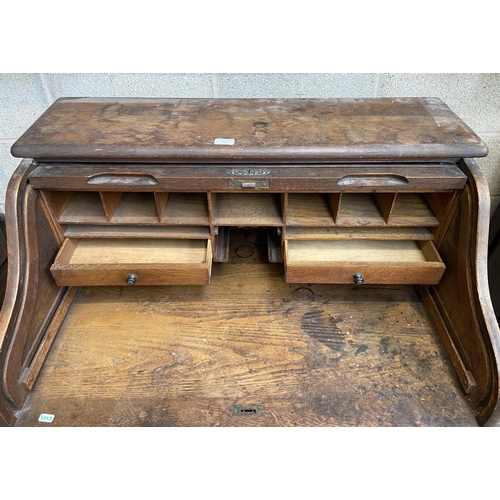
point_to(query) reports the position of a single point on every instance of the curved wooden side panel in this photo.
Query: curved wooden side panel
(32, 299)
(460, 304)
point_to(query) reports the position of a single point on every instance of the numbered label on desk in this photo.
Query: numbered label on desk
(221, 141)
(45, 417)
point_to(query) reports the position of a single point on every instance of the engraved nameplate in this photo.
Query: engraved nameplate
(249, 171)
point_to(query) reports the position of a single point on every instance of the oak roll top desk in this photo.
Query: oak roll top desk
(352, 192)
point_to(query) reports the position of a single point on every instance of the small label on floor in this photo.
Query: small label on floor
(221, 141)
(45, 417)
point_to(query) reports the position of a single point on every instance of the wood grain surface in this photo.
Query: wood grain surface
(292, 177)
(358, 233)
(110, 261)
(272, 130)
(313, 355)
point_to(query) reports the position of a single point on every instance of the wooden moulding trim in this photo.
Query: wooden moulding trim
(485, 328)
(31, 372)
(14, 288)
(22, 300)
(490, 415)
(464, 375)
(369, 153)
(290, 178)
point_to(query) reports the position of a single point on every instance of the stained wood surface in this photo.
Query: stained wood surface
(136, 208)
(31, 297)
(135, 251)
(310, 209)
(110, 202)
(296, 130)
(316, 178)
(412, 208)
(185, 208)
(254, 208)
(313, 355)
(379, 262)
(461, 302)
(172, 232)
(250, 209)
(359, 210)
(83, 208)
(107, 261)
(355, 251)
(358, 233)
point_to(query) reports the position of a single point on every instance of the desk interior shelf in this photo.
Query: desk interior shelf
(80, 208)
(247, 209)
(312, 209)
(392, 216)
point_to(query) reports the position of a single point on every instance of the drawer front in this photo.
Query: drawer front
(122, 262)
(363, 262)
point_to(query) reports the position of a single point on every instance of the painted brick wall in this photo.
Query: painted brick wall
(475, 97)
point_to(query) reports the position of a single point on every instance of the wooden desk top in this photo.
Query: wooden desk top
(263, 130)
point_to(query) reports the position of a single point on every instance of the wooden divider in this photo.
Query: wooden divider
(304, 216)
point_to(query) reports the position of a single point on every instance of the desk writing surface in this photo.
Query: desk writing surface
(246, 130)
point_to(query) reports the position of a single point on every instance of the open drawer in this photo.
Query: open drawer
(132, 261)
(363, 261)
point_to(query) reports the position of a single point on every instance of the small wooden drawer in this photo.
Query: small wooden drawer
(363, 261)
(127, 261)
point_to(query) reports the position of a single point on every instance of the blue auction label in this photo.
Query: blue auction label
(44, 417)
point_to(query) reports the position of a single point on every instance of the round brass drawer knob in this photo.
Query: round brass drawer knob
(131, 278)
(358, 279)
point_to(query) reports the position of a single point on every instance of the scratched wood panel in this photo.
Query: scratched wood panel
(276, 129)
(313, 355)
